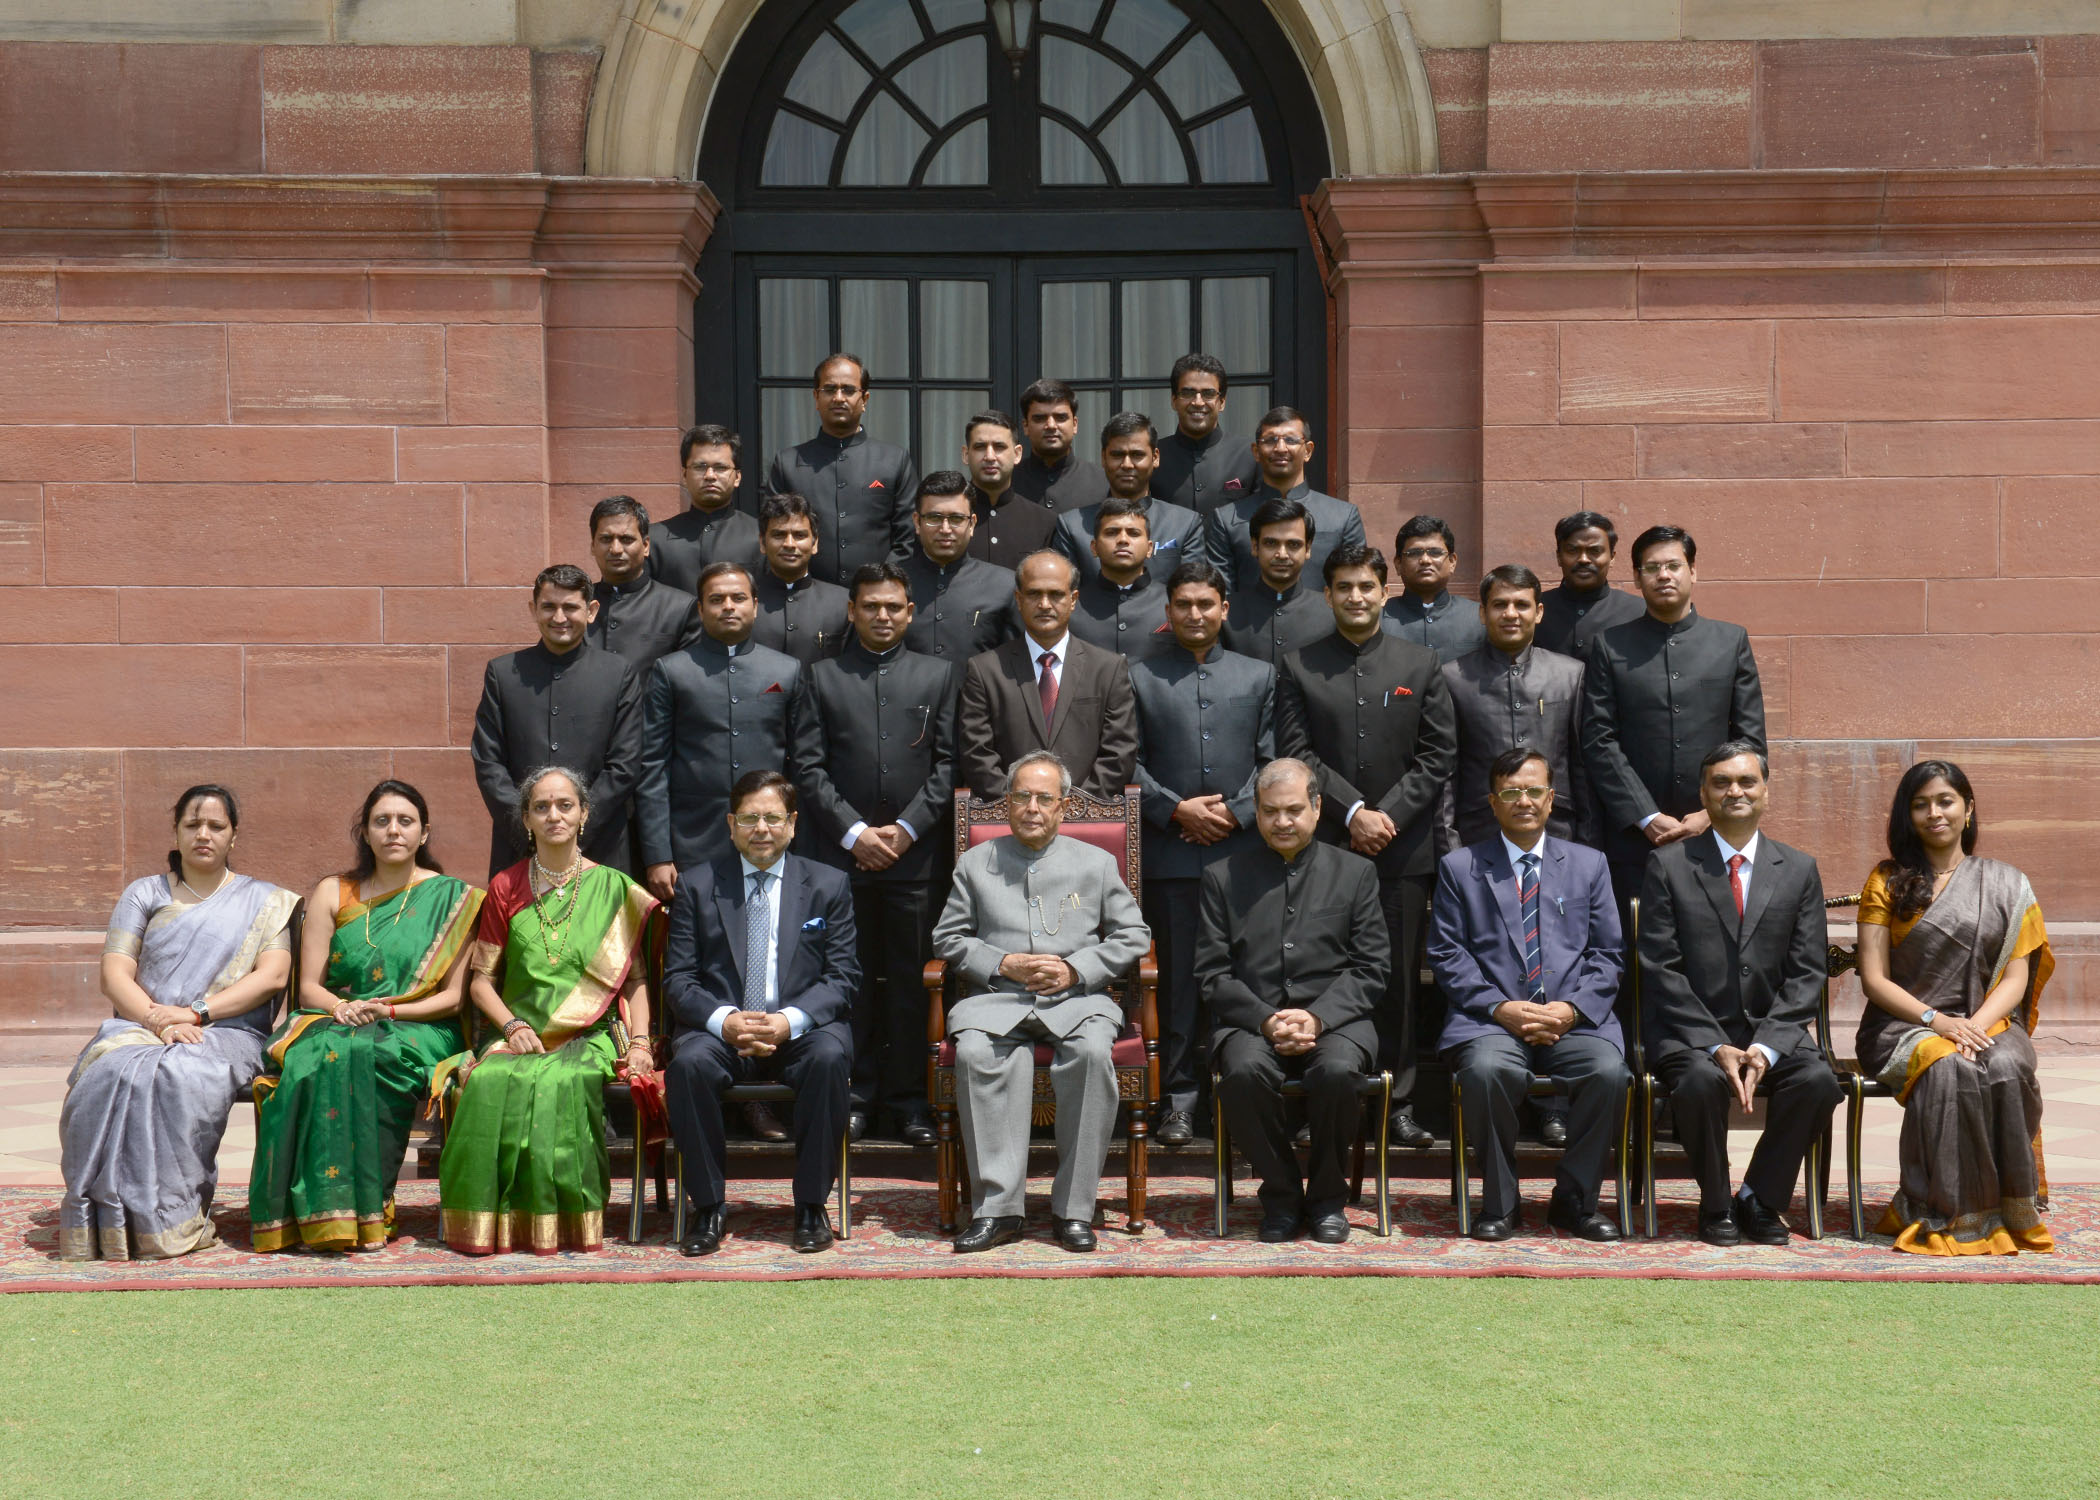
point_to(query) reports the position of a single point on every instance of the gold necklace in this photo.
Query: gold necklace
(559, 927)
(405, 902)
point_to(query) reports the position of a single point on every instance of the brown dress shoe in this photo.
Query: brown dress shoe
(763, 1123)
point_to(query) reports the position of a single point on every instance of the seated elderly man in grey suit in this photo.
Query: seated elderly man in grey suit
(1035, 927)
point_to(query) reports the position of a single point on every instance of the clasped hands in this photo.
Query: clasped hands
(173, 1023)
(1743, 1067)
(1968, 1037)
(1042, 973)
(1370, 831)
(879, 848)
(755, 1033)
(1664, 829)
(1536, 1025)
(1291, 1032)
(360, 1012)
(1204, 820)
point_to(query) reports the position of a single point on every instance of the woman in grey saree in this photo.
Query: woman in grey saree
(1953, 958)
(193, 964)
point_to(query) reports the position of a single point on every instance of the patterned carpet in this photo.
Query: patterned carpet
(894, 1236)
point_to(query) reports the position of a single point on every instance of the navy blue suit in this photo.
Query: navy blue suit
(817, 963)
(1476, 948)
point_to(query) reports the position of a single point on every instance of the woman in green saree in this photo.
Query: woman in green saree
(381, 980)
(556, 971)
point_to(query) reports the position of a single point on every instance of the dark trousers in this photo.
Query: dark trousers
(1802, 1093)
(1494, 1072)
(1251, 1074)
(815, 1065)
(1405, 902)
(893, 922)
(1171, 912)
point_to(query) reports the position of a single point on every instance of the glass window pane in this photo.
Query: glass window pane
(1095, 409)
(889, 417)
(953, 15)
(946, 82)
(1244, 405)
(1150, 402)
(1155, 327)
(1142, 144)
(885, 146)
(1141, 28)
(941, 418)
(1077, 14)
(1078, 80)
(883, 29)
(1229, 150)
(1066, 159)
(960, 163)
(786, 416)
(955, 330)
(794, 325)
(1198, 78)
(1236, 322)
(875, 323)
(1075, 330)
(828, 80)
(798, 153)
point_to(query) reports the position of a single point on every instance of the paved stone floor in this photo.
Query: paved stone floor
(30, 1099)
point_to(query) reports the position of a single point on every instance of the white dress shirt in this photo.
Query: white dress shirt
(1749, 853)
(797, 1019)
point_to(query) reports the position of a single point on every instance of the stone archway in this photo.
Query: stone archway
(664, 56)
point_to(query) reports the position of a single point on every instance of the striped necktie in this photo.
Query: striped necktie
(758, 938)
(1528, 920)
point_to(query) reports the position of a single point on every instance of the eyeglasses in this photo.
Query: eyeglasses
(1662, 569)
(1278, 440)
(1425, 554)
(939, 521)
(1509, 796)
(1034, 799)
(1198, 393)
(711, 468)
(761, 820)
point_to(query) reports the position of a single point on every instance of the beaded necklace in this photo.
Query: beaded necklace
(555, 919)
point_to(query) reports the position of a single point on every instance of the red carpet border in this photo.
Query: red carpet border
(894, 1236)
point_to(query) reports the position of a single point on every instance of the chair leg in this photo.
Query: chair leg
(1624, 1152)
(1385, 1159)
(1461, 1196)
(1221, 1151)
(634, 1210)
(1812, 1171)
(678, 1199)
(944, 1168)
(845, 1185)
(1136, 1161)
(1647, 1109)
(1855, 1116)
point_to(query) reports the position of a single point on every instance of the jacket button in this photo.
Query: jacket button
(554, 745)
(1290, 945)
(1746, 971)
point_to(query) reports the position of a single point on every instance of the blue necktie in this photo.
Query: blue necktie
(1528, 920)
(758, 937)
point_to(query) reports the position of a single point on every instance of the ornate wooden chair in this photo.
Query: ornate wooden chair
(1111, 825)
(1377, 1093)
(1816, 1165)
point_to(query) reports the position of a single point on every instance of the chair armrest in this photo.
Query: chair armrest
(1148, 994)
(935, 978)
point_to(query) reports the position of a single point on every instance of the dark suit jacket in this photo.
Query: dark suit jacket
(1375, 723)
(1177, 537)
(1231, 542)
(1573, 619)
(1307, 934)
(806, 621)
(816, 960)
(1708, 978)
(681, 546)
(582, 710)
(1203, 727)
(1130, 622)
(707, 718)
(644, 619)
(1269, 625)
(1535, 699)
(1002, 718)
(959, 610)
(1656, 698)
(861, 490)
(878, 746)
(1476, 939)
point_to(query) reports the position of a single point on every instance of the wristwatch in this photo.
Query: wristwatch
(202, 1010)
(1928, 1017)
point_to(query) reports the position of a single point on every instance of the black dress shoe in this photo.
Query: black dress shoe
(1494, 1228)
(856, 1124)
(1405, 1132)
(812, 1227)
(703, 1236)
(1758, 1224)
(1717, 1226)
(1176, 1128)
(763, 1123)
(1331, 1228)
(1553, 1131)
(1280, 1229)
(1594, 1227)
(918, 1130)
(1075, 1235)
(983, 1234)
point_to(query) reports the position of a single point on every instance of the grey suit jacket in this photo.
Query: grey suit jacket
(1534, 699)
(1095, 732)
(707, 718)
(1232, 545)
(1203, 727)
(1067, 899)
(1177, 537)
(1656, 698)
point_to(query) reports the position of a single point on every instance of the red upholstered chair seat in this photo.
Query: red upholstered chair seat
(1128, 1052)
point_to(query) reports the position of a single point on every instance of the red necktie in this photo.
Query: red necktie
(1735, 880)
(1048, 684)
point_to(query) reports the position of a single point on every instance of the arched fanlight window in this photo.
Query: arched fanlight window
(902, 93)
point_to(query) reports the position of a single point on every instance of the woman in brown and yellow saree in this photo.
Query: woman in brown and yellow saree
(556, 972)
(1953, 957)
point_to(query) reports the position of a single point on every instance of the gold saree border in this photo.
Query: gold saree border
(606, 972)
(489, 1232)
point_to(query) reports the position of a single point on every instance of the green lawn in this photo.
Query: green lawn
(1231, 1388)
